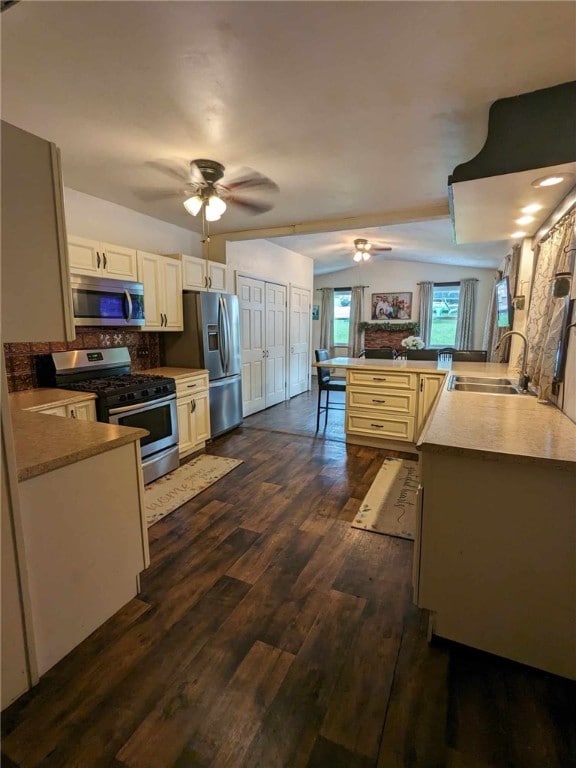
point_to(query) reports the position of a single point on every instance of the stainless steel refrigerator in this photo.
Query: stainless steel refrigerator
(211, 340)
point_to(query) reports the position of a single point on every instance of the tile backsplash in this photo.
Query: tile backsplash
(144, 351)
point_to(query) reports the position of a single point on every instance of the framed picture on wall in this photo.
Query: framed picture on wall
(315, 311)
(391, 306)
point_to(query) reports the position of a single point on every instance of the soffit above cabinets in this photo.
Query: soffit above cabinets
(487, 209)
(529, 137)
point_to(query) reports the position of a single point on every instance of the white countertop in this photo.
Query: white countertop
(515, 428)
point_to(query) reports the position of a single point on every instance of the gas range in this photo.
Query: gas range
(124, 398)
(126, 388)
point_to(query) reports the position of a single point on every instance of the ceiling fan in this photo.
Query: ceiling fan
(208, 190)
(364, 249)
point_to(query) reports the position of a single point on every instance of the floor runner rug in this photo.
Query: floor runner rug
(390, 505)
(176, 488)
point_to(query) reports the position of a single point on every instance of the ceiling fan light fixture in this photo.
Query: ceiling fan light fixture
(365, 255)
(193, 205)
(357, 256)
(215, 207)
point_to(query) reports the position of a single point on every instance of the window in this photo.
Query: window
(342, 299)
(445, 299)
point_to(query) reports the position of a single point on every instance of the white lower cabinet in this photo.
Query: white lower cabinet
(84, 410)
(494, 556)
(193, 407)
(380, 405)
(430, 386)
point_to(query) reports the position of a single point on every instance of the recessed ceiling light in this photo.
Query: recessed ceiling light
(525, 220)
(517, 235)
(532, 208)
(549, 181)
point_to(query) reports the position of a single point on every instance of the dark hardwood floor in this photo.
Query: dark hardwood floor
(268, 633)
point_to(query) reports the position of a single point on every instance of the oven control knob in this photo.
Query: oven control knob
(122, 397)
(145, 393)
(157, 390)
(165, 388)
(130, 395)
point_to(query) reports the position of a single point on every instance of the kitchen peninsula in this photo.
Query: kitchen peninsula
(496, 525)
(82, 538)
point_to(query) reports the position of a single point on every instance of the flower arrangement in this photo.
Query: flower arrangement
(412, 342)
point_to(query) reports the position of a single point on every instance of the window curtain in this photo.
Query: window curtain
(466, 309)
(327, 320)
(546, 313)
(493, 334)
(355, 335)
(425, 316)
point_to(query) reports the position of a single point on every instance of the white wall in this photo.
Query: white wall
(268, 261)
(97, 219)
(401, 276)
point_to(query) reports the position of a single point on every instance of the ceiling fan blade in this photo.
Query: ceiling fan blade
(382, 249)
(174, 169)
(154, 195)
(249, 179)
(250, 206)
(196, 175)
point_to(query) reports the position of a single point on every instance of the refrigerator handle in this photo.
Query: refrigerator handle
(222, 346)
(228, 333)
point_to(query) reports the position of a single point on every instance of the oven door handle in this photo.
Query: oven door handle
(129, 303)
(141, 406)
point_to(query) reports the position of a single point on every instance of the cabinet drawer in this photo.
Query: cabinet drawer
(381, 425)
(191, 384)
(389, 379)
(389, 400)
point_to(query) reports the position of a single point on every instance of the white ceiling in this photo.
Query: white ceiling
(355, 109)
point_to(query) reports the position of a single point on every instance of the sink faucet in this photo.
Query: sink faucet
(523, 379)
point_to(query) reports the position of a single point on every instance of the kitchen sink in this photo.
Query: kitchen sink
(481, 380)
(486, 389)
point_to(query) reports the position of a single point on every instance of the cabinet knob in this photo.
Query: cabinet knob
(97, 259)
(104, 260)
(72, 413)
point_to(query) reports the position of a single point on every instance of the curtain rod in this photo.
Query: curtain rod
(560, 223)
(450, 282)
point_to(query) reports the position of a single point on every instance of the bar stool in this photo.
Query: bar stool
(326, 384)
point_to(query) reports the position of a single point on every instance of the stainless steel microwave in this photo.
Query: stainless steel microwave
(102, 301)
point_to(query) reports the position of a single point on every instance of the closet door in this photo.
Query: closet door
(299, 340)
(275, 343)
(251, 300)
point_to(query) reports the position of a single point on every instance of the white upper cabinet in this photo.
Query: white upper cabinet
(162, 280)
(36, 298)
(202, 275)
(91, 257)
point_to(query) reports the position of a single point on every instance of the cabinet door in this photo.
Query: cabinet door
(56, 410)
(194, 274)
(84, 256)
(185, 439)
(151, 276)
(85, 411)
(200, 412)
(173, 316)
(35, 288)
(119, 262)
(429, 387)
(216, 276)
